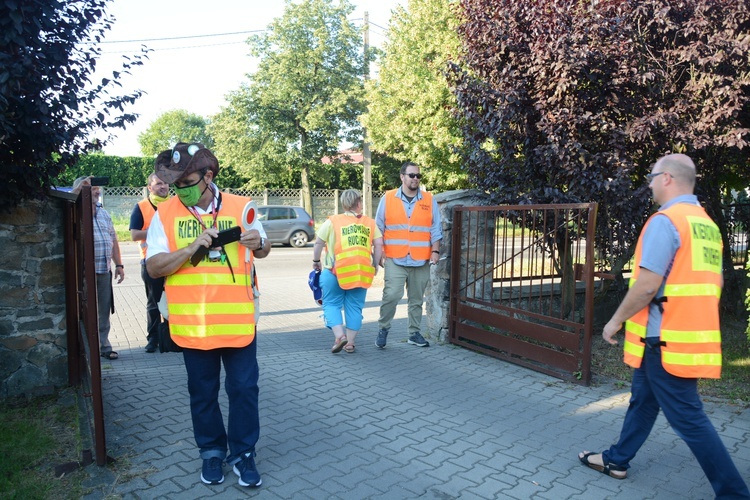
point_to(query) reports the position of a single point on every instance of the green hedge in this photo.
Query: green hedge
(122, 171)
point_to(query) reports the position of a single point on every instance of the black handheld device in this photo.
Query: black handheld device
(99, 181)
(225, 237)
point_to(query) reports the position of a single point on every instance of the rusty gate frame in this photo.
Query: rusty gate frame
(487, 297)
(82, 320)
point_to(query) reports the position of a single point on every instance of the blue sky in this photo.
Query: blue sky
(195, 73)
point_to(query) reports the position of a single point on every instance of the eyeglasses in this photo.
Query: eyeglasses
(412, 176)
(651, 177)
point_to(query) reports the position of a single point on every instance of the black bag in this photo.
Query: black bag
(166, 344)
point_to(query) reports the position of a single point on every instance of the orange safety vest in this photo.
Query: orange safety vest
(404, 235)
(210, 306)
(690, 332)
(148, 211)
(352, 252)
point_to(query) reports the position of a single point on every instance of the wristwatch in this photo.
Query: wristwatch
(262, 243)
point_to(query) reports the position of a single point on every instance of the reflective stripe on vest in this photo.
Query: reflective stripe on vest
(690, 330)
(147, 211)
(404, 236)
(352, 252)
(209, 307)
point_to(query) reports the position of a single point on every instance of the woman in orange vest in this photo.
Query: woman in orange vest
(353, 248)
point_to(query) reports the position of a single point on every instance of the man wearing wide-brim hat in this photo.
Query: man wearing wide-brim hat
(212, 305)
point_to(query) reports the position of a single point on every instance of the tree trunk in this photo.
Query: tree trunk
(307, 203)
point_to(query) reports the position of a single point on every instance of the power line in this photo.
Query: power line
(181, 48)
(184, 37)
(188, 37)
(378, 26)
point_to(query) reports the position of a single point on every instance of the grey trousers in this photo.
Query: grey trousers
(416, 280)
(104, 309)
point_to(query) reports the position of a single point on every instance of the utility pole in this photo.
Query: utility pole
(366, 158)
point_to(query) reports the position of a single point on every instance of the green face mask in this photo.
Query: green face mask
(189, 195)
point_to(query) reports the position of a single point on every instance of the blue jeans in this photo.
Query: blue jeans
(336, 298)
(241, 383)
(654, 388)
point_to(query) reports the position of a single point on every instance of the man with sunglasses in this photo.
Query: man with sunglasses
(409, 219)
(672, 332)
(211, 304)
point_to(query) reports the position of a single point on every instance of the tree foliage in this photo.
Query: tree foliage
(49, 109)
(562, 101)
(410, 105)
(177, 125)
(304, 98)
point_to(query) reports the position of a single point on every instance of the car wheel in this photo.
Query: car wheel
(298, 239)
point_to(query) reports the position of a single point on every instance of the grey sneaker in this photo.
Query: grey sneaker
(417, 339)
(382, 335)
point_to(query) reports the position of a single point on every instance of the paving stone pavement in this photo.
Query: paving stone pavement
(403, 422)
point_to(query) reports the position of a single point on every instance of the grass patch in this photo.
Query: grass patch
(733, 386)
(35, 437)
(734, 383)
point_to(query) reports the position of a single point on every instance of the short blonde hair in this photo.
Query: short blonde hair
(349, 199)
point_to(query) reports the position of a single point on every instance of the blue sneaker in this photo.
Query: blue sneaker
(417, 339)
(246, 471)
(212, 472)
(382, 335)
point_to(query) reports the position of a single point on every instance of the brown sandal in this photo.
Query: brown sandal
(350, 348)
(340, 343)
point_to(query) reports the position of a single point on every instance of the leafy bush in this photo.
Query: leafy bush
(50, 112)
(121, 170)
(563, 101)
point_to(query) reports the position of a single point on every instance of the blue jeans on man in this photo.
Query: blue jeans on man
(653, 388)
(241, 384)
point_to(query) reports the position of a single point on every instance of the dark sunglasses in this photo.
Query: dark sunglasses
(412, 176)
(651, 177)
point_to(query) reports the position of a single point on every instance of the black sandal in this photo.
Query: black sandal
(110, 355)
(612, 470)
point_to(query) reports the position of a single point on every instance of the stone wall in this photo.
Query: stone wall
(33, 347)
(437, 296)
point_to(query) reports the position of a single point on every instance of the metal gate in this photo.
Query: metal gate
(522, 285)
(84, 364)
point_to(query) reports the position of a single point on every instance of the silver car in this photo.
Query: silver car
(288, 225)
